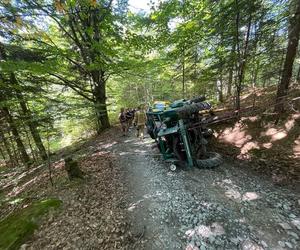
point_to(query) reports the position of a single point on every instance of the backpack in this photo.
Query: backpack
(128, 115)
(122, 117)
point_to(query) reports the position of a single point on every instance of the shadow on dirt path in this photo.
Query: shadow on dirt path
(224, 208)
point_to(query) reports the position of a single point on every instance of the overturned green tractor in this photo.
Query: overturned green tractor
(181, 133)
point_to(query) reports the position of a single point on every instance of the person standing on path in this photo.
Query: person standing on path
(123, 121)
(129, 118)
(139, 121)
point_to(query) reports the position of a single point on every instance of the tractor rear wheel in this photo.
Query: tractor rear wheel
(150, 131)
(214, 159)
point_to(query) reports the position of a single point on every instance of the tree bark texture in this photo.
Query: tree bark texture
(21, 148)
(99, 92)
(293, 40)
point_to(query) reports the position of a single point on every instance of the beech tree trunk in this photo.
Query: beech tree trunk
(99, 92)
(293, 40)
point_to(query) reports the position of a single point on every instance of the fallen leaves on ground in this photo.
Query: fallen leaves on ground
(92, 215)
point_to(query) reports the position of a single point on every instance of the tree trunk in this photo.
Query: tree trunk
(238, 62)
(30, 121)
(293, 39)
(220, 88)
(255, 74)
(231, 69)
(264, 82)
(3, 155)
(14, 130)
(241, 56)
(99, 92)
(6, 146)
(298, 76)
(281, 65)
(29, 144)
(230, 78)
(183, 74)
(16, 154)
(256, 60)
(34, 131)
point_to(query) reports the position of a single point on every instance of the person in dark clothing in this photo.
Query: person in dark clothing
(129, 117)
(123, 121)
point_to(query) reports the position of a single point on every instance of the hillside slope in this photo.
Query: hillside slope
(271, 144)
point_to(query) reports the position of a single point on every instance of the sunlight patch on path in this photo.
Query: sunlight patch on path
(129, 140)
(134, 205)
(206, 231)
(232, 191)
(250, 196)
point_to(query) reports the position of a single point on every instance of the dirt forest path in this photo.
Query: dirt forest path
(224, 208)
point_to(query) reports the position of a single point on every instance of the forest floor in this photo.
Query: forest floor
(130, 199)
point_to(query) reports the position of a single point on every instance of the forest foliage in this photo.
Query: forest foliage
(67, 66)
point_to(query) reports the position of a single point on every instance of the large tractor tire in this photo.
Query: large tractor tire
(150, 131)
(214, 159)
(152, 135)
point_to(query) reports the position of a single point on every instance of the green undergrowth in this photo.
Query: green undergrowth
(17, 227)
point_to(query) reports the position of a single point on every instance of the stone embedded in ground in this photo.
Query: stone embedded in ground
(288, 244)
(235, 240)
(24, 246)
(294, 235)
(285, 225)
(211, 239)
(191, 247)
(198, 243)
(281, 243)
(250, 245)
(264, 244)
(296, 223)
(203, 247)
(219, 242)
(294, 241)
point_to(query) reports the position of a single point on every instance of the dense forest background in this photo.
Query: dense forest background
(66, 67)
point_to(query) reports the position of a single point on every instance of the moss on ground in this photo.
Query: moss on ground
(17, 227)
